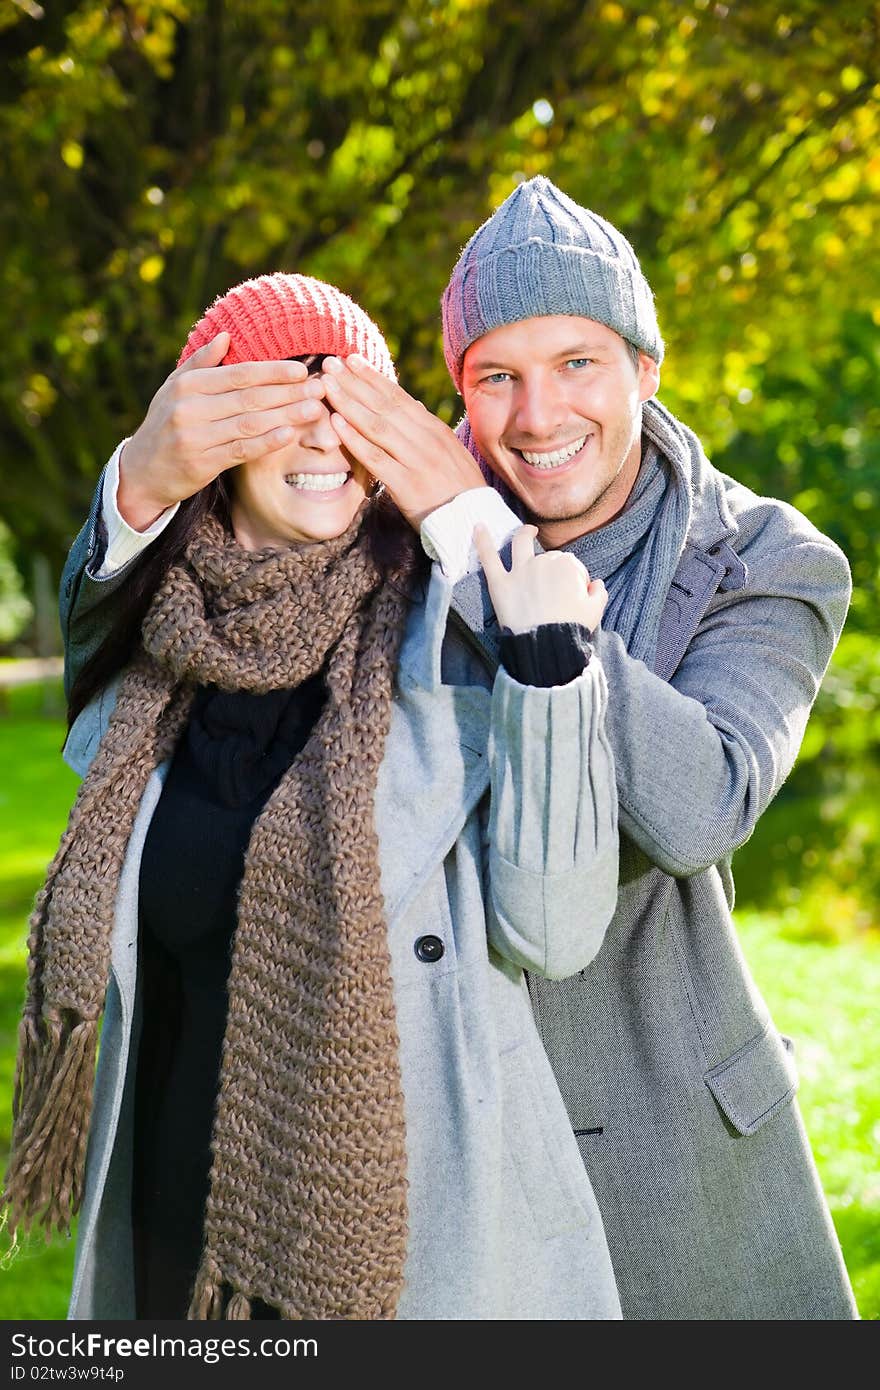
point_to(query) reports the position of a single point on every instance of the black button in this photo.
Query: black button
(429, 948)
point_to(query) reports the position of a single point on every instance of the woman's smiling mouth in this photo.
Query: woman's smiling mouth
(317, 482)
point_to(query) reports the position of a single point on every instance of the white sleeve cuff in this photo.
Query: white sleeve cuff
(447, 532)
(123, 542)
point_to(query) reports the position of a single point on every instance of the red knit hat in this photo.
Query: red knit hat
(279, 316)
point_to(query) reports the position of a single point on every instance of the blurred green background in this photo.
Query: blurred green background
(154, 152)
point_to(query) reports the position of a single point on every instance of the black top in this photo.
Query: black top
(234, 752)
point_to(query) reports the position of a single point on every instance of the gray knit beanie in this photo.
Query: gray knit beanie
(541, 253)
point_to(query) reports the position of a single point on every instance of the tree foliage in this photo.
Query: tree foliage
(15, 608)
(156, 151)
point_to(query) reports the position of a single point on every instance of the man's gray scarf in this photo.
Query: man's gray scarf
(638, 552)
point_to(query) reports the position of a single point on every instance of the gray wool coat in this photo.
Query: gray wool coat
(679, 1089)
(494, 839)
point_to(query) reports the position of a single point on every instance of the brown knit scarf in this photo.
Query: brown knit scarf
(307, 1205)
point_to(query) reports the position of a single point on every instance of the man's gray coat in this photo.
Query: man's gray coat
(678, 1086)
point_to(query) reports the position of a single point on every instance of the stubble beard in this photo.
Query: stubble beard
(587, 514)
(581, 514)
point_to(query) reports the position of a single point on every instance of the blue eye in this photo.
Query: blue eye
(577, 362)
(497, 377)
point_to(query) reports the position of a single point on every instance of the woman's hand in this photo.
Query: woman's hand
(206, 418)
(419, 459)
(550, 588)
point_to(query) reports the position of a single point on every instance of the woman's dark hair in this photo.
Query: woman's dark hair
(392, 543)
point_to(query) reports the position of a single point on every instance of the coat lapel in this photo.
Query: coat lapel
(434, 772)
(436, 764)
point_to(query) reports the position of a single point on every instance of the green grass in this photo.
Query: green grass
(36, 789)
(824, 995)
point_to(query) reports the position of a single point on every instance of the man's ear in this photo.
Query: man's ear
(649, 377)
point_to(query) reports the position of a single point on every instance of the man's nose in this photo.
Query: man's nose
(538, 408)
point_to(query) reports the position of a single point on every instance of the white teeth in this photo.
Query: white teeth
(316, 482)
(557, 456)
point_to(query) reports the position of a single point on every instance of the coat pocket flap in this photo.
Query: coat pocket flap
(756, 1082)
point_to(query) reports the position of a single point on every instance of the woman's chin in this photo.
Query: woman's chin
(300, 518)
(324, 516)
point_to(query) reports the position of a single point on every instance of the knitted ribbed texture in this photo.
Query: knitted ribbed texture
(307, 1205)
(541, 253)
(277, 316)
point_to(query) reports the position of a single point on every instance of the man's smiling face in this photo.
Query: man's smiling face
(554, 405)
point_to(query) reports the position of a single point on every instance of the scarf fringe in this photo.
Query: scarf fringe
(53, 1101)
(208, 1299)
(238, 1308)
(27, 1065)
